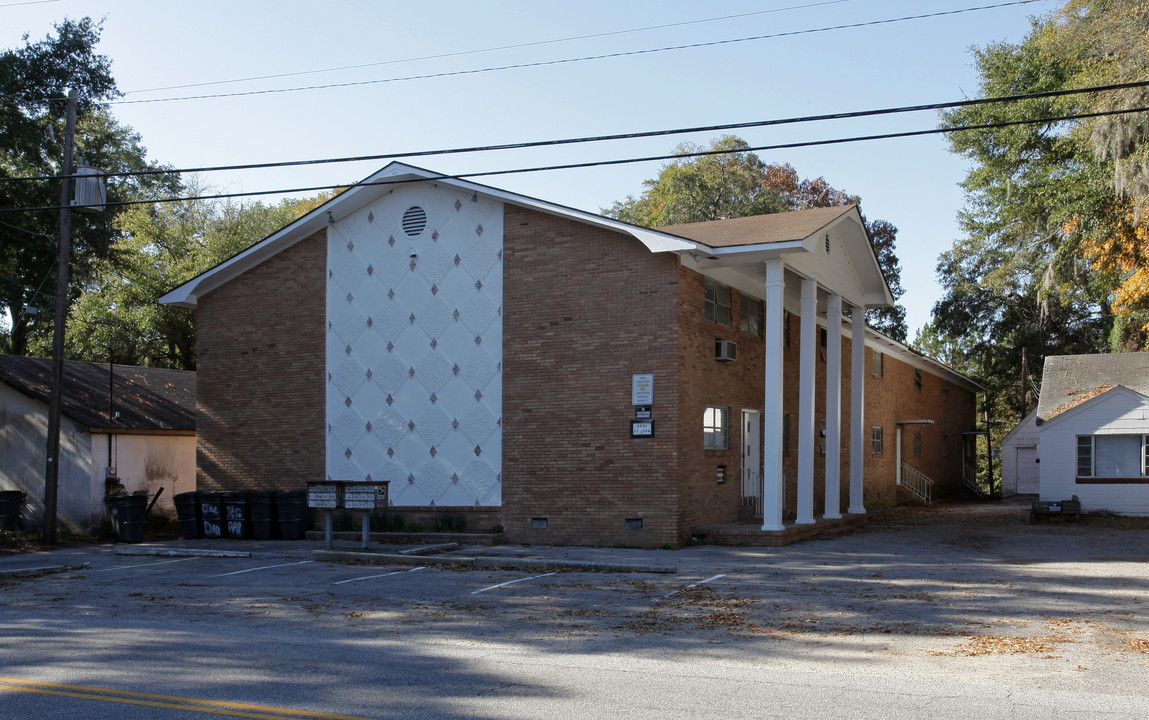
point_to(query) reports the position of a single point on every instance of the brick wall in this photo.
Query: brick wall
(740, 385)
(584, 309)
(260, 383)
(893, 397)
(736, 385)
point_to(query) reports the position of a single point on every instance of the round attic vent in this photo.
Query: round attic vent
(414, 220)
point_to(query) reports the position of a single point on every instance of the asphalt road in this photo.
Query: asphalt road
(957, 612)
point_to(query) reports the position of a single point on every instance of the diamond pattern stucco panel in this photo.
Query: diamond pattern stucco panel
(415, 344)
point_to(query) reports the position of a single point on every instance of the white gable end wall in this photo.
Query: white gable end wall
(1019, 458)
(414, 347)
(1117, 412)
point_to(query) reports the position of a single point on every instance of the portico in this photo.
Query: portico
(819, 266)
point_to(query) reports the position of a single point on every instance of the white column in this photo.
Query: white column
(857, 409)
(773, 486)
(806, 375)
(833, 407)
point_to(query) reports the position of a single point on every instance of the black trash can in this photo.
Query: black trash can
(264, 520)
(212, 514)
(294, 515)
(128, 514)
(11, 505)
(237, 514)
(187, 510)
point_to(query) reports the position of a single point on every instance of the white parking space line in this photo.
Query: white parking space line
(700, 582)
(372, 577)
(141, 565)
(512, 582)
(709, 579)
(265, 567)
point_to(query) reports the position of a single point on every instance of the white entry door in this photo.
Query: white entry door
(1027, 471)
(751, 454)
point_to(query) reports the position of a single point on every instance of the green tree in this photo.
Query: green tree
(161, 246)
(33, 79)
(1040, 263)
(725, 180)
(1055, 248)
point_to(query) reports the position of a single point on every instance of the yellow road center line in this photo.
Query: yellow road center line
(174, 702)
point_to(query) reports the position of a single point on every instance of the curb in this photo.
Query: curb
(583, 565)
(45, 570)
(430, 549)
(388, 558)
(181, 552)
(493, 563)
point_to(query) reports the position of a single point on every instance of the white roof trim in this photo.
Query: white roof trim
(886, 344)
(1099, 397)
(188, 294)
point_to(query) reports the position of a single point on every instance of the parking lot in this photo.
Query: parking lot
(923, 609)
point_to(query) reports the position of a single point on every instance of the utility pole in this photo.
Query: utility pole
(52, 469)
(1024, 383)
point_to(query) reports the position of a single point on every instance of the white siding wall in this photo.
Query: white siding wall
(23, 443)
(1117, 412)
(414, 348)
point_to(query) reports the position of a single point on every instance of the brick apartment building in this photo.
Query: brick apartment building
(572, 378)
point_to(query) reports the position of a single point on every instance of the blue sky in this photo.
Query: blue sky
(912, 183)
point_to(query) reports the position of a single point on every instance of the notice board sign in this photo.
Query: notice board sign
(642, 389)
(642, 428)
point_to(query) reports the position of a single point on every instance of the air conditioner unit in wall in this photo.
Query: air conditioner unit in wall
(725, 350)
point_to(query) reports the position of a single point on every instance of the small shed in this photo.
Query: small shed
(136, 424)
(1020, 459)
(1093, 425)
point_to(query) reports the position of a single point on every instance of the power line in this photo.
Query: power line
(623, 161)
(459, 53)
(619, 136)
(604, 56)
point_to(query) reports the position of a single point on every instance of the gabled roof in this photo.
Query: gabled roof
(739, 241)
(1069, 380)
(796, 225)
(734, 250)
(375, 186)
(146, 398)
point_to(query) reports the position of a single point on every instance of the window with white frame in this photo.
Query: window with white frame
(876, 363)
(750, 314)
(716, 428)
(1112, 456)
(717, 306)
(876, 440)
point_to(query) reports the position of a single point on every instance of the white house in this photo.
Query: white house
(1093, 426)
(1020, 459)
(136, 424)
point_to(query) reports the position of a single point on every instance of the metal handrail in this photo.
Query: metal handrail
(917, 483)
